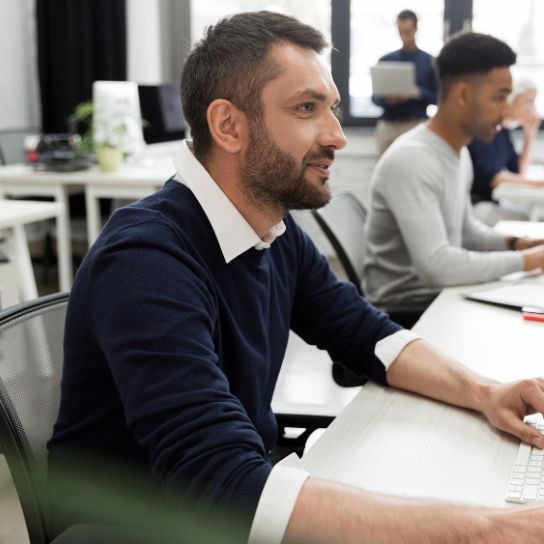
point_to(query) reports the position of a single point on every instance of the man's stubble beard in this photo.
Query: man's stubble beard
(272, 180)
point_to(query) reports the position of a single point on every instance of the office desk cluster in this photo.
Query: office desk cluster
(132, 181)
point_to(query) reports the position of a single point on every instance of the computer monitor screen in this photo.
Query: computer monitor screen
(161, 110)
(117, 120)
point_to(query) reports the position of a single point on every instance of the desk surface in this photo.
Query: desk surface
(150, 172)
(521, 228)
(305, 385)
(397, 443)
(514, 190)
(20, 212)
(154, 166)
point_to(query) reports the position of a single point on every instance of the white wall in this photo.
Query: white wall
(158, 39)
(144, 41)
(19, 90)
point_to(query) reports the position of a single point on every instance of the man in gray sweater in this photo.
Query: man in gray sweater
(421, 233)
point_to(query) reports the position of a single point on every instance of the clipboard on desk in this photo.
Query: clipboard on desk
(393, 78)
(515, 296)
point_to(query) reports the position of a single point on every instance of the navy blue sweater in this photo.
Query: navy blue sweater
(488, 159)
(415, 108)
(172, 355)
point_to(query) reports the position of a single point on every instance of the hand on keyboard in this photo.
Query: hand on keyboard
(507, 404)
(527, 479)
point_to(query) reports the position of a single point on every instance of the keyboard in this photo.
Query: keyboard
(527, 479)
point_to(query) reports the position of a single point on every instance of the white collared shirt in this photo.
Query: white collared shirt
(235, 236)
(233, 232)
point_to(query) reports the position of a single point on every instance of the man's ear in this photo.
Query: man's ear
(227, 125)
(462, 91)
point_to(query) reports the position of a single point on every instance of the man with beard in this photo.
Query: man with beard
(180, 313)
(421, 233)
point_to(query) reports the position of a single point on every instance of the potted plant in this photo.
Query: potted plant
(107, 133)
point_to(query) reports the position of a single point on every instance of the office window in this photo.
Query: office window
(520, 27)
(313, 12)
(374, 33)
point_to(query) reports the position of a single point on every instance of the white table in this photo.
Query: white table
(305, 385)
(530, 197)
(19, 180)
(132, 181)
(396, 443)
(521, 228)
(14, 214)
(401, 444)
(129, 182)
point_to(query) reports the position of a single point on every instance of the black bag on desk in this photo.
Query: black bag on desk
(58, 153)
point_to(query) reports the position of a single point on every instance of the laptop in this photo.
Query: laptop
(392, 78)
(515, 296)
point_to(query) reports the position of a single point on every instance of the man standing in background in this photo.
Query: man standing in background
(400, 112)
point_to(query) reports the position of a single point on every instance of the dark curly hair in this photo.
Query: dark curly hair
(470, 53)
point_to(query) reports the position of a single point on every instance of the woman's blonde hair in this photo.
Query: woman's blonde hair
(520, 87)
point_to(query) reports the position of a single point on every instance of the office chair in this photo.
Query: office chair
(31, 357)
(343, 223)
(31, 353)
(12, 144)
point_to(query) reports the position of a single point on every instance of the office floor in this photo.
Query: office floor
(12, 525)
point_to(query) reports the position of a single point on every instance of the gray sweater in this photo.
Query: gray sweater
(421, 234)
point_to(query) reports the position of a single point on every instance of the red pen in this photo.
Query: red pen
(533, 314)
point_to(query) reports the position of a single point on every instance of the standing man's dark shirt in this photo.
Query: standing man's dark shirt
(415, 108)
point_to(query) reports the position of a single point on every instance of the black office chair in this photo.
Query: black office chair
(343, 223)
(31, 353)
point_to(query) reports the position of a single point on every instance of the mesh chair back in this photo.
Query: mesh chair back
(343, 222)
(31, 355)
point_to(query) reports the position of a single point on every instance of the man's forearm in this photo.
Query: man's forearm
(423, 369)
(505, 176)
(327, 512)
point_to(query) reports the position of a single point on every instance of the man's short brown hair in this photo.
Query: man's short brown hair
(407, 15)
(231, 62)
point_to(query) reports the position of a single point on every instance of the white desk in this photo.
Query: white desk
(397, 443)
(19, 180)
(132, 181)
(531, 197)
(521, 228)
(305, 385)
(14, 214)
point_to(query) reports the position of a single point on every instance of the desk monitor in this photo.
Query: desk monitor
(393, 78)
(161, 109)
(515, 296)
(116, 118)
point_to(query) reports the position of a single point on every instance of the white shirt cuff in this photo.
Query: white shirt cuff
(388, 348)
(276, 504)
